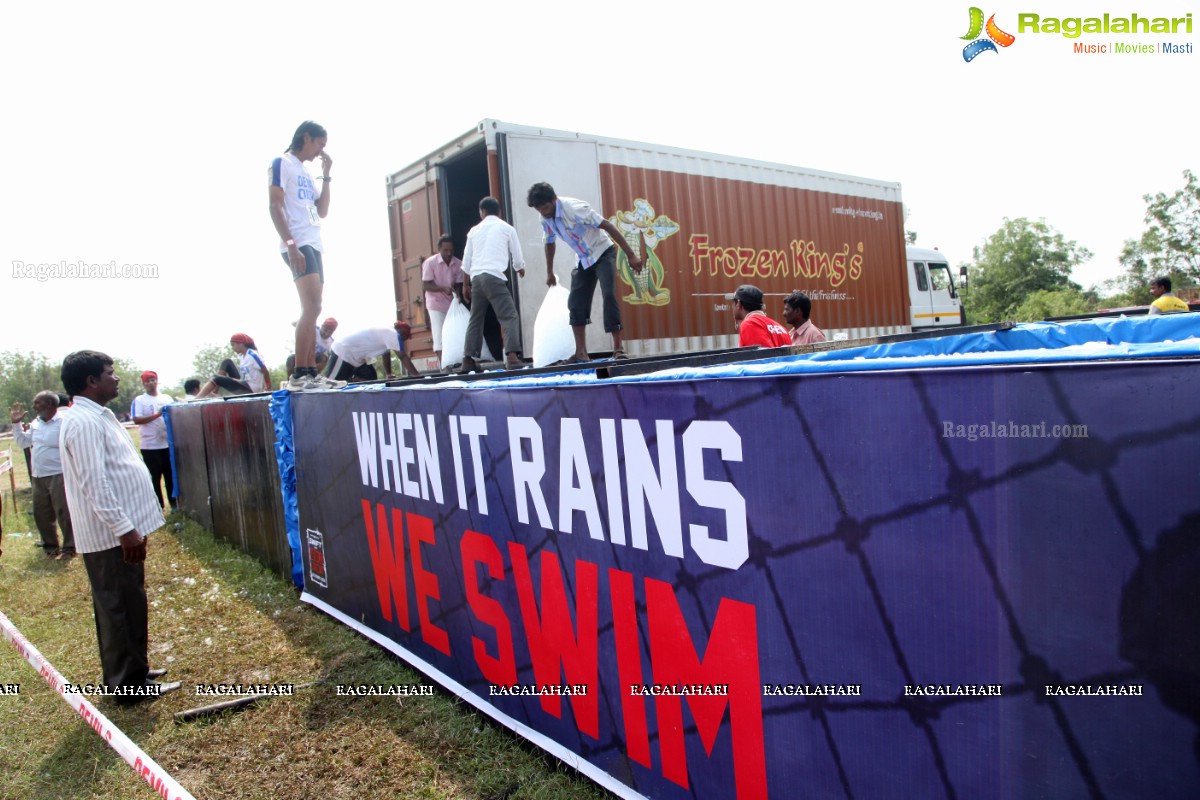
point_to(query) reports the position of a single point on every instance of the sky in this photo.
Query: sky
(140, 133)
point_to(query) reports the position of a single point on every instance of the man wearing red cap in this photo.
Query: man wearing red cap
(325, 341)
(354, 355)
(147, 414)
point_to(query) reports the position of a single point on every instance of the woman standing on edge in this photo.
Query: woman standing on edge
(297, 208)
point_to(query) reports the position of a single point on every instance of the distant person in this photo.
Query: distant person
(491, 246)
(114, 510)
(297, 209)
(754, 326)
(27, 451)
(147, 412)
(439, 273)
(191, 387)
(353, 355)
(796, 311)
(49, 495)
(253, 369)
(1164, 301)
(228, 381)
(591, 238)
(324, 342)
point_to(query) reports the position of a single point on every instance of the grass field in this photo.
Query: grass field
(217, 616)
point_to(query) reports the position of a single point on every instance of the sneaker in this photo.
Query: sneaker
(320, 383)
(297, 383)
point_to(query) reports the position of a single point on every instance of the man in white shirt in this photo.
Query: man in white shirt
(146, 412)
(354, 355)
(491, 245)
(113, 507)
(49, 496)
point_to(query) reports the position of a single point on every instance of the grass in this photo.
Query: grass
(217, 616)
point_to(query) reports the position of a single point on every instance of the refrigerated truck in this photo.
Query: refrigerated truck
(703, 223)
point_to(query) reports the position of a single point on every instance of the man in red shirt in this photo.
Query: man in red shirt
(754, 326)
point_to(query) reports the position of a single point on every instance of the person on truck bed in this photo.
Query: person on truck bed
(591, 237)
(1164, 301)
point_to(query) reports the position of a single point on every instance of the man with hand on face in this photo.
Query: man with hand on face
(49, 496)
(113, 509)
(146, 412)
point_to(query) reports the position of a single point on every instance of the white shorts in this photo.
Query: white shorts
(436, 320)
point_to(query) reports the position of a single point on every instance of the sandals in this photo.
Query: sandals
(619, 353)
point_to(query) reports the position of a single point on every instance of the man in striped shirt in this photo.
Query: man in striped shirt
(113, 508)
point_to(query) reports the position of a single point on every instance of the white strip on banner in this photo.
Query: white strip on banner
(162, 783)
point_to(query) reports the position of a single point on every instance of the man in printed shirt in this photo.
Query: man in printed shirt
(49, 497)
(591, 237)
(147, 413)
(113, 509)
(754, 326)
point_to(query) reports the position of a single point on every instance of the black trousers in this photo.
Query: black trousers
(159, 464)
(122, 616)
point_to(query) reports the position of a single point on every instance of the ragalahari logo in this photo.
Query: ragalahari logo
(995, 36)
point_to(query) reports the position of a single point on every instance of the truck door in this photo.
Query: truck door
(572, 167)
(934, 300)
(942, 295)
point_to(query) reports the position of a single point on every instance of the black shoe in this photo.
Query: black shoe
(468, 365)
(155, 673)
(153, 691)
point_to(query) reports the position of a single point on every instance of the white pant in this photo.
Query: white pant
(436, 319)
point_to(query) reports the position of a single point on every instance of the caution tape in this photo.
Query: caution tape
(162, 783)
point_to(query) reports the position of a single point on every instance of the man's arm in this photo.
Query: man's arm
(22, 434)
(145, 418)
(514, 250)
(550, 279)
(323, 200)
(635, 262)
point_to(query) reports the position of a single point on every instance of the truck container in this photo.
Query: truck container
(704, 224)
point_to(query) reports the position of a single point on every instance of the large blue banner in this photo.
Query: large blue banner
(933, 583)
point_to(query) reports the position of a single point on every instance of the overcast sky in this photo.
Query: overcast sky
(140, 133)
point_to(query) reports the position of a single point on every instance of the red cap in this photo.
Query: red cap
(403, 329)
(241, 338)
(330, 323)
(148, 374)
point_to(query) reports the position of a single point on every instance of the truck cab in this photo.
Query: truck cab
(933, 299)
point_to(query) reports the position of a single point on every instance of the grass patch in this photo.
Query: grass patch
(218, 616)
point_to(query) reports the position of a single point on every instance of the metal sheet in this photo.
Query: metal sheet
(247, 507)
(191, 462)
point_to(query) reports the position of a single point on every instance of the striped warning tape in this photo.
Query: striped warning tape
(162, 783)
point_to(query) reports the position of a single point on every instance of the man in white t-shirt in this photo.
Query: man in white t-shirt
(297, 208)
(491, 246)
(353, 355)
(147, 415)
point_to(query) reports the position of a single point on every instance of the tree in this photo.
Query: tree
(1169, 246)
(1047, 304)
(1021, 258)
(208, 360)
(1174, 222)
(22, 375)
